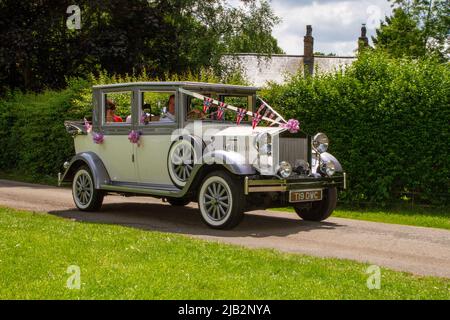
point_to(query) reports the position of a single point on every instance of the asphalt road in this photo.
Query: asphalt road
(423, 251)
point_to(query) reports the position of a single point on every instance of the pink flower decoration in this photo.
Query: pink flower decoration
(87, 126)
(134, 136)
(98, 138)
(292, 125)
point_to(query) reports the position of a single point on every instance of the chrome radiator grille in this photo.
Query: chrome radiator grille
(292, 149)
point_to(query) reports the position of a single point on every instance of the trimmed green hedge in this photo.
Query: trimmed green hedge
(388, 123)
(32, 133)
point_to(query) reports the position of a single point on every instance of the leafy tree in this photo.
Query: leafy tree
(400, 36)
(250, 33)
(417, 28)
(159, 36)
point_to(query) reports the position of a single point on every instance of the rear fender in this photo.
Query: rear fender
(95, 164)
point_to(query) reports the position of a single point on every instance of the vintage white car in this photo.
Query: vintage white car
(218, 145)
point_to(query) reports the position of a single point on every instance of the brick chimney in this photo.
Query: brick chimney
(308, 51)
(363, 41)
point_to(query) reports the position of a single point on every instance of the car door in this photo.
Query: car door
(117, 152)
(156, 128)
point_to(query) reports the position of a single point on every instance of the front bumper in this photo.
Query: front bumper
(282, 185)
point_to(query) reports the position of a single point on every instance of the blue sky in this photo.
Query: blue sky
(336, 23)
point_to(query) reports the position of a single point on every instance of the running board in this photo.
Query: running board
(147, 190)
(158, 190)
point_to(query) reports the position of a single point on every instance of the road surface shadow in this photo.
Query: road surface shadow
(187, 220)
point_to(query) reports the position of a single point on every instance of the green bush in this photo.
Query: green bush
(387, 120)
(32, 134)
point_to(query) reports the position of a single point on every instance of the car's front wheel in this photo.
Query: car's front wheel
(319, 210)
(85, 195)
(221, 201)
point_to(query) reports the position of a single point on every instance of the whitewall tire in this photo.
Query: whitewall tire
(221, 201)
(84, 194)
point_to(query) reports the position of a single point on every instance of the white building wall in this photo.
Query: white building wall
(259, 69)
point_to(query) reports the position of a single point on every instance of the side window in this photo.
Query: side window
(117, 108)
(157, 107)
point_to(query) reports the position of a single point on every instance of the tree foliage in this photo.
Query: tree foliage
(400, 36)
(160, 36)
(416, 28)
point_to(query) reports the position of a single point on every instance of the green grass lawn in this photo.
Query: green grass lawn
(417, 216)
(118, 262)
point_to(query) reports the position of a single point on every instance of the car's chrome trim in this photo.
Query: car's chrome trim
(283, 185)
(59, 179)
(246, 186)
(140, 190)
(267, 189)
(345, 180)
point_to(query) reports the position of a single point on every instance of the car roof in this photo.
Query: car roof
(183, 84)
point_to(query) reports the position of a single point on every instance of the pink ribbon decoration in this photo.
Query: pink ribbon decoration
(134, 137)
(87, 126)
(240, 115)
(98, 138)
(292, 125)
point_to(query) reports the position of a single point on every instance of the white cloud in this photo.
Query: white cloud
(336, 24)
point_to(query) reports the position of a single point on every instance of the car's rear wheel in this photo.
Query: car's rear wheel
(319, 210)
(85, 196)
(221, 201)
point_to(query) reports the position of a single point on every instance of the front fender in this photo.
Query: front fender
(95, 164)
(329, 157)
(232, 161)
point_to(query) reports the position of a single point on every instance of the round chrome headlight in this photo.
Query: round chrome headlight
(320, 142)
(285, 169)
(66, 165)
(328, 168)
(263, 143)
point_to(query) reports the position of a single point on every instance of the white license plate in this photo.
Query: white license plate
(305, 195)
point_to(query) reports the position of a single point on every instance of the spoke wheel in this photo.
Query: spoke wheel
(85, 196)
(181, 162)
(220, 201)
(217, 200)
